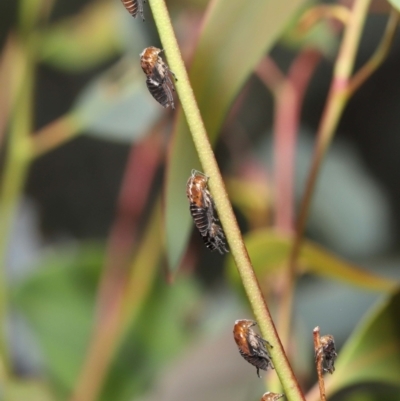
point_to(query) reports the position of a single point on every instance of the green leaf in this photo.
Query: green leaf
(395, 4)
(269, 251)
(160, 334)
(58, 302)
(235, 36)
(372, 354)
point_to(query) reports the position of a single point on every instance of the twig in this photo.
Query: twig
(227, 217)
(337, 100)
(122, 312)
(54, 135)
(318, 363)
(13, 179)
(288, 93)
(379, 55)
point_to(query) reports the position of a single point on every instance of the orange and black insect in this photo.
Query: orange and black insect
(134, 7)
(203, 211)
(251, 345)
(268, 396)
(328, 352)
(158, 75)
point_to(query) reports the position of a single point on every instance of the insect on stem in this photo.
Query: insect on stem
(251, 345)
(325, 351)
(203, 211)
(158, 75)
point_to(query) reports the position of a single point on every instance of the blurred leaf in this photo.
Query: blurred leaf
(371, 392)
(236, 34)
(161, 332)
(395, 4)
(117, 106)
(86, 40)
(58, 302)
(269, 251)
(372, 354)
(29, 390)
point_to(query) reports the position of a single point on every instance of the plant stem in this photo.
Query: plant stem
(285, 132)
(379, 55)
(54, 134)
(337, 100)
(227, 217)
(318, 363)
(121, 313)
(15, 171)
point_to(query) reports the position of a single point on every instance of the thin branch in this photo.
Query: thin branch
(227, 217)
(338, 12)
(318, 363)
(54, 135)
(15, 171)
(337, 100)
(379, 55)
(298, 78)
(285, 131)
(121, 312)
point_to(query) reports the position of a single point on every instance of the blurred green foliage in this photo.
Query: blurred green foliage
(58, 296)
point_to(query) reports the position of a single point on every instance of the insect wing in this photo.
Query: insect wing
(160, 92)
(158, 81)
(215, 239)
(329, 353)
(251, 345)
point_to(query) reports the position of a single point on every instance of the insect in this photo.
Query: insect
(268, 396)
(134, 7)
(215, 239)
(328, 352)
(251, 345)
(158, 79)
(203, 211)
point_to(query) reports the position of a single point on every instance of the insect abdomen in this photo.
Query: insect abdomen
(200, 218)
(161, 92)
(257, 361)
(134, 7)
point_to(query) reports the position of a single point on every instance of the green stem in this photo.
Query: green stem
(337, 100)
(15, 171)
(227, 217)
(122, 312)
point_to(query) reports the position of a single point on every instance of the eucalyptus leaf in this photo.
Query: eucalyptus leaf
(372, 354)
(395, 4)
(57, 300)
(269, 251)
